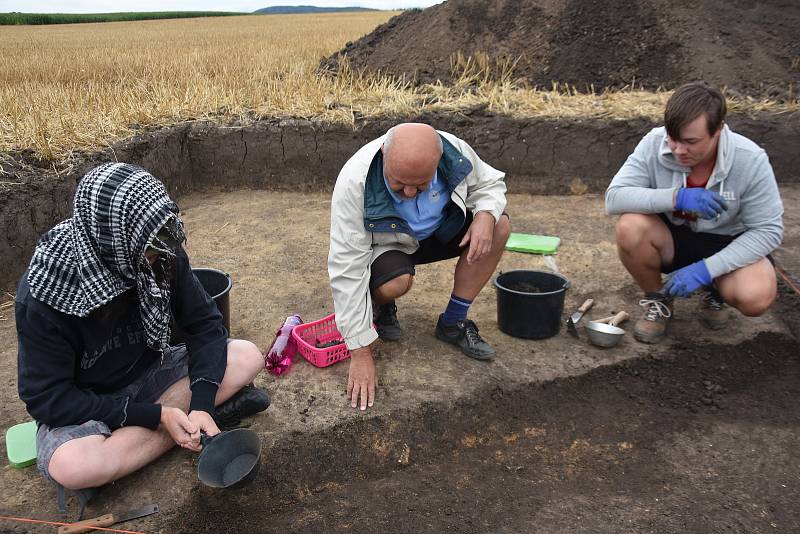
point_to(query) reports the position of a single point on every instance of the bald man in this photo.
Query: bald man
(413, 196)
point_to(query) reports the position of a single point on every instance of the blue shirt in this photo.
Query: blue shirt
(424, 212)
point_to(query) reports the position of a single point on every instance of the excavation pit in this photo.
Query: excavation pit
(553, 435)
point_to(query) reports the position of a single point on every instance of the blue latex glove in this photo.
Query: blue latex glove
(701, 202)
(687, 280)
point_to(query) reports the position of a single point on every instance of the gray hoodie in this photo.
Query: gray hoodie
(647, 181)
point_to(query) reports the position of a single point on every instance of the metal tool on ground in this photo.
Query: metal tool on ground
(107, 520)
(575, 317)
(605, 332)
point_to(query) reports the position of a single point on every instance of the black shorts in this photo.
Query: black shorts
(394, 263)
(691, 247)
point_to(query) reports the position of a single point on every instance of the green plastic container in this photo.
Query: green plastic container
(21, 444)
(533, 244)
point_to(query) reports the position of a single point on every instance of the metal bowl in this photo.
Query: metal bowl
(604, 335)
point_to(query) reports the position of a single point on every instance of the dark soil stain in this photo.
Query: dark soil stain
(525, 287)
(703, 440)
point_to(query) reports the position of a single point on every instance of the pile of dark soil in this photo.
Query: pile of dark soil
(752, 48)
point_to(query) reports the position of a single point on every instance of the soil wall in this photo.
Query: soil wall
(540, 156)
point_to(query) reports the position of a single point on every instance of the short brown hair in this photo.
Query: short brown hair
(689, 102)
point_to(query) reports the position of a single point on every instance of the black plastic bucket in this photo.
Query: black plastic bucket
(534, 313)
(218, 286)
(229, 459)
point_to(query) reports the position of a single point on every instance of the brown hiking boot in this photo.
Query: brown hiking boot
(712, 310)
(652, 328)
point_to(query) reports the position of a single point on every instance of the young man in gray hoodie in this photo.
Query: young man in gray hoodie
(700, 203)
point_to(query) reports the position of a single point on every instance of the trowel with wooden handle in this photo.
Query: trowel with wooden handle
(575, 317)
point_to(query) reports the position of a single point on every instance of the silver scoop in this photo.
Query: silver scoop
(605, 332)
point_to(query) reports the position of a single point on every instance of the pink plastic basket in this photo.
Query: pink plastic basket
(324, 330)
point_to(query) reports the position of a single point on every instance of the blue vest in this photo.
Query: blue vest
(380, 214)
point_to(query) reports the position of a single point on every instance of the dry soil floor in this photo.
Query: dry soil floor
(551, 435)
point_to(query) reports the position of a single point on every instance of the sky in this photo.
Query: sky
(106, 6)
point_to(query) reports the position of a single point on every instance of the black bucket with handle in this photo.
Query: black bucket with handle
(218, 286)
(530, 303)
(229, 459)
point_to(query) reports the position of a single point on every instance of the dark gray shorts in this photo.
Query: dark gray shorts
(152, 384)
(394, 263)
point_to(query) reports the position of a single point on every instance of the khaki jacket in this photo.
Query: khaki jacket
(363, 227)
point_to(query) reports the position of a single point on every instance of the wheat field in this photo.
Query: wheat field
(74, 87)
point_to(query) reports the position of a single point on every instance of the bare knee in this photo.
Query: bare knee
(755, 305)
(502, 230)
(751, 289)
(245, 357)
(245, 361)
(394, 288)
(632, 229)
(63, 468)
(78, 467)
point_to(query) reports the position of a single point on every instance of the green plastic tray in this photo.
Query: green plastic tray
(21, 444)
(533, 244)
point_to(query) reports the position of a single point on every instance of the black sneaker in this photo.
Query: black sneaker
(247, 401)
(464, 334)
(385, 318)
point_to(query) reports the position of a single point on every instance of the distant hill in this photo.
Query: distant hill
(285, 10)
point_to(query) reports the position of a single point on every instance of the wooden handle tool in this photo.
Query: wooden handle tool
(107, 520)
(614, 320)
(86, 526)
(575, 317)
(587, 304)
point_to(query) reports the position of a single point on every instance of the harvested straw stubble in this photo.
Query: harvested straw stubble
(5, 307)
(64, 88)
(77, 86)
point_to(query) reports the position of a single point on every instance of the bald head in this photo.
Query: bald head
(411, 153)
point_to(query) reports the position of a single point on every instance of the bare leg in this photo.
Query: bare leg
(751, 289)
(393, 289)
(96, 460)
(469, 279)
(644, 245)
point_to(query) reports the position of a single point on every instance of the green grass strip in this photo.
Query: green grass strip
(7, 19)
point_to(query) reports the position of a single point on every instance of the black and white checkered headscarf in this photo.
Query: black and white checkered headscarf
(98, 254)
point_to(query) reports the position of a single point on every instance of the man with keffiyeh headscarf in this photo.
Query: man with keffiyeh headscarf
(93, 318)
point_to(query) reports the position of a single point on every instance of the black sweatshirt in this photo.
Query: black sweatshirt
(70, 367)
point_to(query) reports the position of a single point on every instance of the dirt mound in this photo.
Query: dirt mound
(753, 48)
